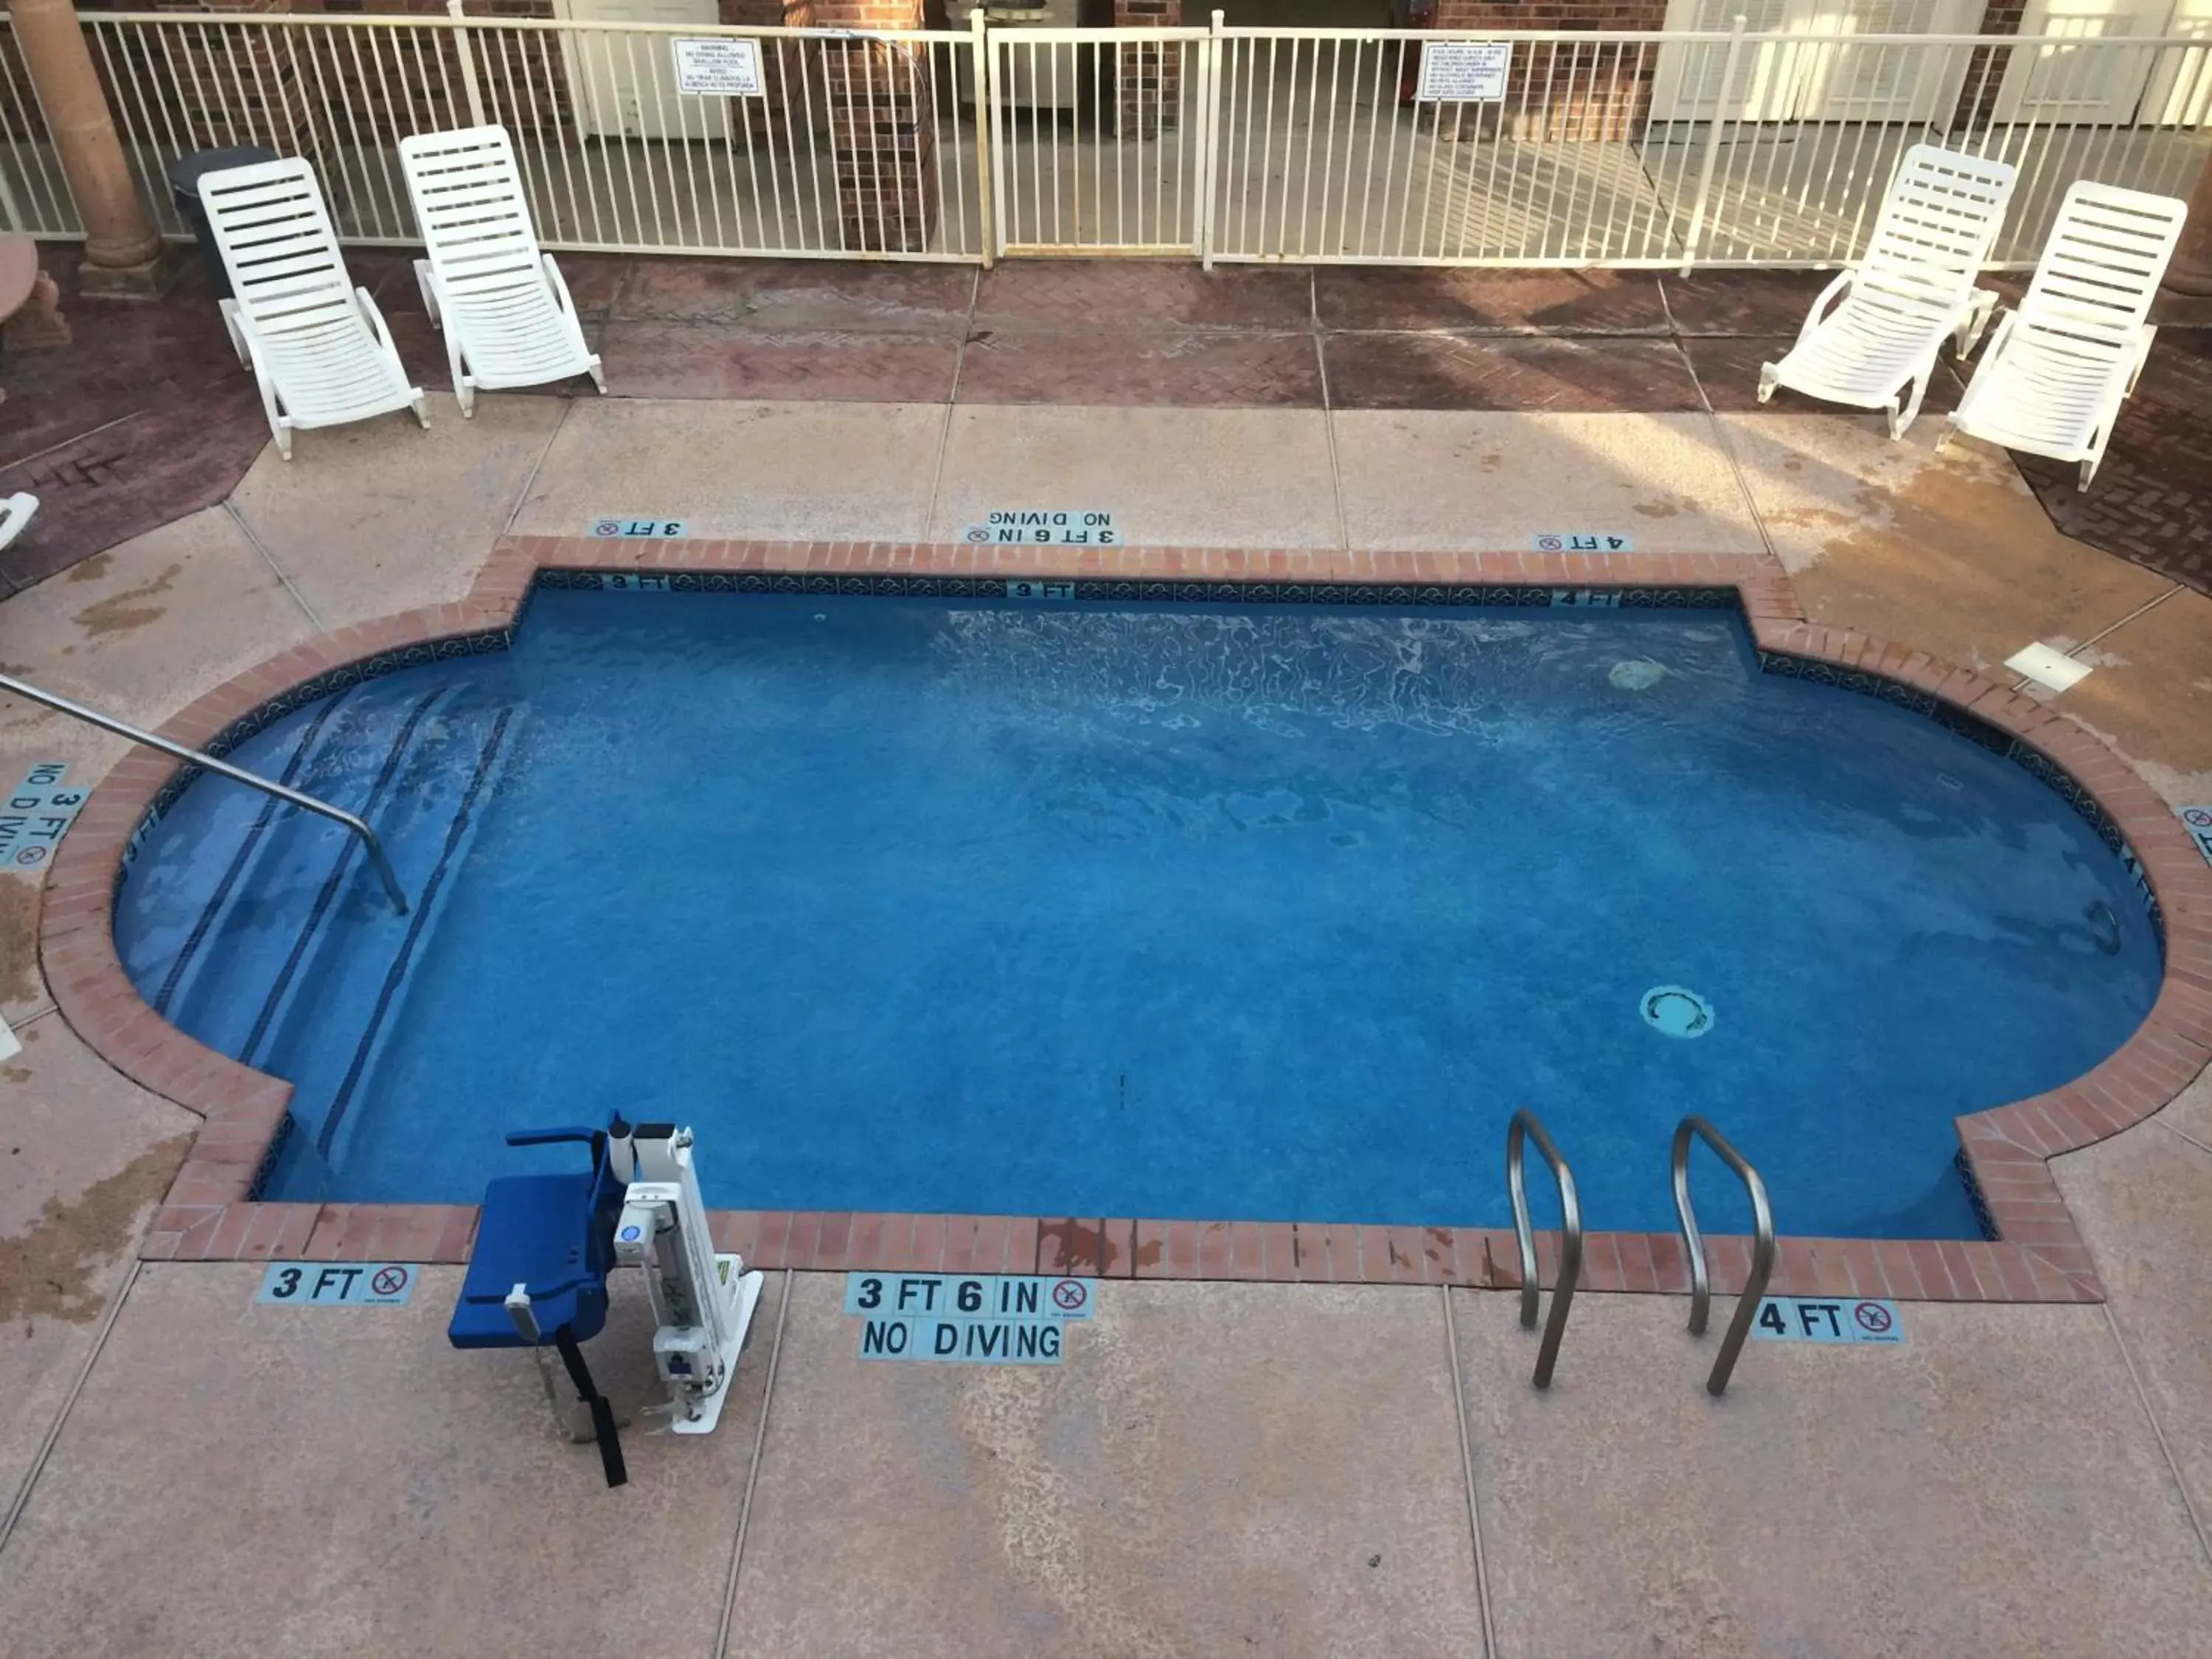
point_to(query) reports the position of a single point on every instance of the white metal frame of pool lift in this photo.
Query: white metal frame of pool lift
(702, 1302)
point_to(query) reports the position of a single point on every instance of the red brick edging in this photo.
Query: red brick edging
(209, 1216)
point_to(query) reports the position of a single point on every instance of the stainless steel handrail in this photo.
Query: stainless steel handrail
(1762, 1248)
(1524, 1127)
(221, 768)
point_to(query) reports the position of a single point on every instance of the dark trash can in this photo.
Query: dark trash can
(184, 176)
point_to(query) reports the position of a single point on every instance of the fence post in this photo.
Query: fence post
(1209, 125)
(468, 66)
(1712, 147)
(994, 115)
(986, 134)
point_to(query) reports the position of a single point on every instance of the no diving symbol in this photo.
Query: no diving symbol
(389, 1281)
(1069, 1294)
(1872, 1316)
(2198, 817)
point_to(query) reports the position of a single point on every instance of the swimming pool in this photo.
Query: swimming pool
(1089, 908)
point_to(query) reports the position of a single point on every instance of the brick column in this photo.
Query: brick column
(783, 71)
(1149, 78)
(882, 125)
(1986, 67)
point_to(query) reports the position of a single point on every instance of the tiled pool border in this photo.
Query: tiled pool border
(2038, 1255)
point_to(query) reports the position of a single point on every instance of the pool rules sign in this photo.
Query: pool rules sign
(718, 67)
(974, 1319)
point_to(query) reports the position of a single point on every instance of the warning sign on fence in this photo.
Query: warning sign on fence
(1465, 72)
(722, 66)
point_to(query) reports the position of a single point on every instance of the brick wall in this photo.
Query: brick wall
(300, 95)
(223, 87)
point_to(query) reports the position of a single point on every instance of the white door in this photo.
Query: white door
(2181, 81)
(1818, 73)
(1848, 82)
(623, 85)
(1687, 84)
(2102, 80)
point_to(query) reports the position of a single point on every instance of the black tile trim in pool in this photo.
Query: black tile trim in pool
(1163, 591)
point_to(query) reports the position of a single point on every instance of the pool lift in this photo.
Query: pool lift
(546, 1243)
(703, 1301)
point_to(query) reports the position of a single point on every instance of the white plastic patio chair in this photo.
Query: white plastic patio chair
(316, 343)
(15, 512)
(1913, 288)
(506, 311)
(2061, 365)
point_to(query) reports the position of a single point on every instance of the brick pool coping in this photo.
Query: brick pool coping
(2038, 1257)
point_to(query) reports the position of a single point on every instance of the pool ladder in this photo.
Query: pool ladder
(222, 768)
(1526, 1126)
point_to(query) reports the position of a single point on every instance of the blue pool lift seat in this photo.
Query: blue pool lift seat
(552, 1236)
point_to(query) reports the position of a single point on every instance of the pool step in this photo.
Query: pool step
(330, 1041)
(256, 871)
(342, 917)
(277, 945)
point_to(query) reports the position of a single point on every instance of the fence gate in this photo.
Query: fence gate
(1101, 140)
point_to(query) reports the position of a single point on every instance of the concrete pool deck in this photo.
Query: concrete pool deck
(1217, 1466)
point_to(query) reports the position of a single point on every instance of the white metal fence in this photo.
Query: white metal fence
(1638, 149)
(1231, 145)
(849, 146)
(1099, 139)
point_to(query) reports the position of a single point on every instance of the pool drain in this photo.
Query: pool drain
(1673, 1012)
(1637, 674)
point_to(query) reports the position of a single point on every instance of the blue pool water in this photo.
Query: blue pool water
(1278, 912)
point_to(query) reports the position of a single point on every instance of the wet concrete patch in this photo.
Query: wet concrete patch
(1950, 553)
(50, 1271)
(119, 613)
(20, 984)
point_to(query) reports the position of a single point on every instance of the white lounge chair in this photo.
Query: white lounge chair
(2061, 365)
(505, 310)
(15, 512)
(1913, 288)
(317, 344)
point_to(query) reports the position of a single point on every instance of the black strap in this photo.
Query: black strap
(603, 1414)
